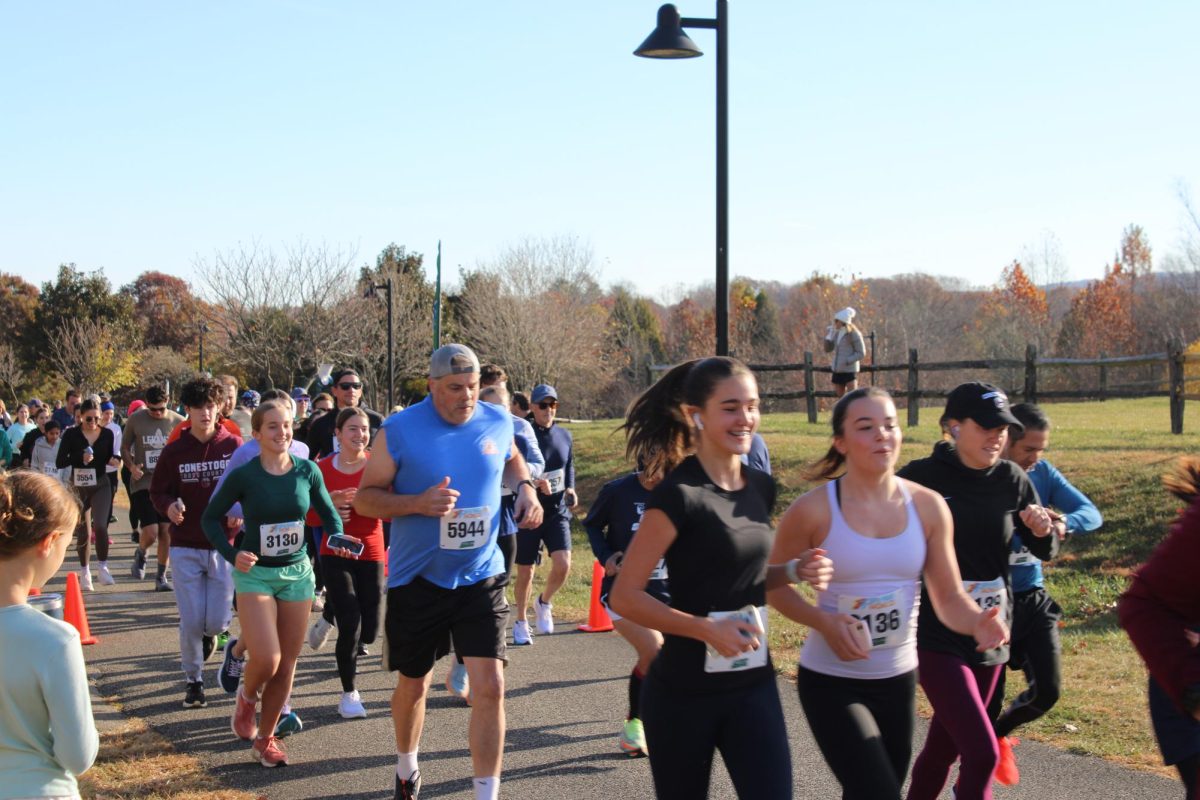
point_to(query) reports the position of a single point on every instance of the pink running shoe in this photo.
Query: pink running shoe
(268, 751)
(244, 722)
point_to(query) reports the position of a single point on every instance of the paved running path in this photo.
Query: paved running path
(566, 701)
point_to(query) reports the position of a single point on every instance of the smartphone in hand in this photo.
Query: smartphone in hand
(339, 542)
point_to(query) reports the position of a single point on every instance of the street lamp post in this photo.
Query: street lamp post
(669, 41)
(371, 290)
(203, 330)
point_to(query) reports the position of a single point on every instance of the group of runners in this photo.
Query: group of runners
(929, 574)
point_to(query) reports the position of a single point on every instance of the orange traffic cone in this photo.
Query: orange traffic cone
(74, 612)
(598, 620)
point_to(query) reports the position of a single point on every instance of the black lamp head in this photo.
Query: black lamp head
(668, 40)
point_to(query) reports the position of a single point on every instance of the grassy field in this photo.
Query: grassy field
(1114, 452)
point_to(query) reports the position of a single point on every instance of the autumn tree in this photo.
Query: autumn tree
(18, 305)
(94, 354)
(1101, 317)
(75, 296)
(636, 337)
(536, 311)
(274, 317)
(167, 311)
(743, 301)
(766, 338)
(691, 331)
(1013, 314)
(412, 324)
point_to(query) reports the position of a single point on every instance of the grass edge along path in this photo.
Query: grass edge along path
(137, 763)
(1115, 452)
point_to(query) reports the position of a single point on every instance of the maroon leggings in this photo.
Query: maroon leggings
(960, 728)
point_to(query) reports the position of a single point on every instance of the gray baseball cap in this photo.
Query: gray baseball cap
(452, 359)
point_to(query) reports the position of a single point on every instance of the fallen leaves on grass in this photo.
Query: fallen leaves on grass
(135, 763)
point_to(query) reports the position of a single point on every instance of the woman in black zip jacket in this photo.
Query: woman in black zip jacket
(989, 498)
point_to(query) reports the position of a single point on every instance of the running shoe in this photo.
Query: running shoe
(208, 644)
(222, 639)
(351, 707)
(138, 570)
(318, 634)
(362, 650)
(85, 580)
(232, 667)
(408, 789)
(633, 739)
(521, 634)
(545, 621)
(195, 695)
(456, 680)
(163, 585)
(112, 519)
(244, 722)
(288, 724)
(268, 751)
(104, 576)
(1006, 770)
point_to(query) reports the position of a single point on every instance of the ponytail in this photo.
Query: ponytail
(657, 435)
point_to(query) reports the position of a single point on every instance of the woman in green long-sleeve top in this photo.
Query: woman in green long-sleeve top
(272, 576)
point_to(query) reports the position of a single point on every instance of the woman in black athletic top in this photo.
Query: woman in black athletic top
(712, 685)
(989, 498)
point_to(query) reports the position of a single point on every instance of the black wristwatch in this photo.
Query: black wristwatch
(528, 481)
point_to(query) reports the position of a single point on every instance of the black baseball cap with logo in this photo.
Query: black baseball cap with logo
(984, 403)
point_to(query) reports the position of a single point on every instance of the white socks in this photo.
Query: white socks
(406, 764)
(487, 789)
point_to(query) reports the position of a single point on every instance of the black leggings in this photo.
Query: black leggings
(746, 725)
(313, 548)
(354, 587)
(97, 500)
(1037, 650)
(864, 729)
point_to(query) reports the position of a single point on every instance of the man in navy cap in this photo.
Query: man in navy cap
(556, 491)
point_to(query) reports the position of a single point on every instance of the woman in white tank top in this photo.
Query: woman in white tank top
(857, 680)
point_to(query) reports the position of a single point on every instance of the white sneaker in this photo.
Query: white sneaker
(351, 707)
(318, 634)
(545, 621)
(85, 580)
(105, 577)
(521, 634)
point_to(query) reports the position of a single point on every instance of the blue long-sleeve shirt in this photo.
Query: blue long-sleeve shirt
(1079, 513)
(527, 446)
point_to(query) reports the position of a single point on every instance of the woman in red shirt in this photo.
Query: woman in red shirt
(352, 585)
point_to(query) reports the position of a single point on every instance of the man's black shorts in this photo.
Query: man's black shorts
(144, 510)
(423, 619)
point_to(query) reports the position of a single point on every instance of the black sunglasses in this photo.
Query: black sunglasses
(348, 386)
(547, 404)
(91, 419)
(156, 408)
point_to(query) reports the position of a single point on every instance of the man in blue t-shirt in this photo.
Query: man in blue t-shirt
(439, 480)
(1036, 648)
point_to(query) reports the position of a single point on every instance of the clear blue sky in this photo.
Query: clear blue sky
(871, 137)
